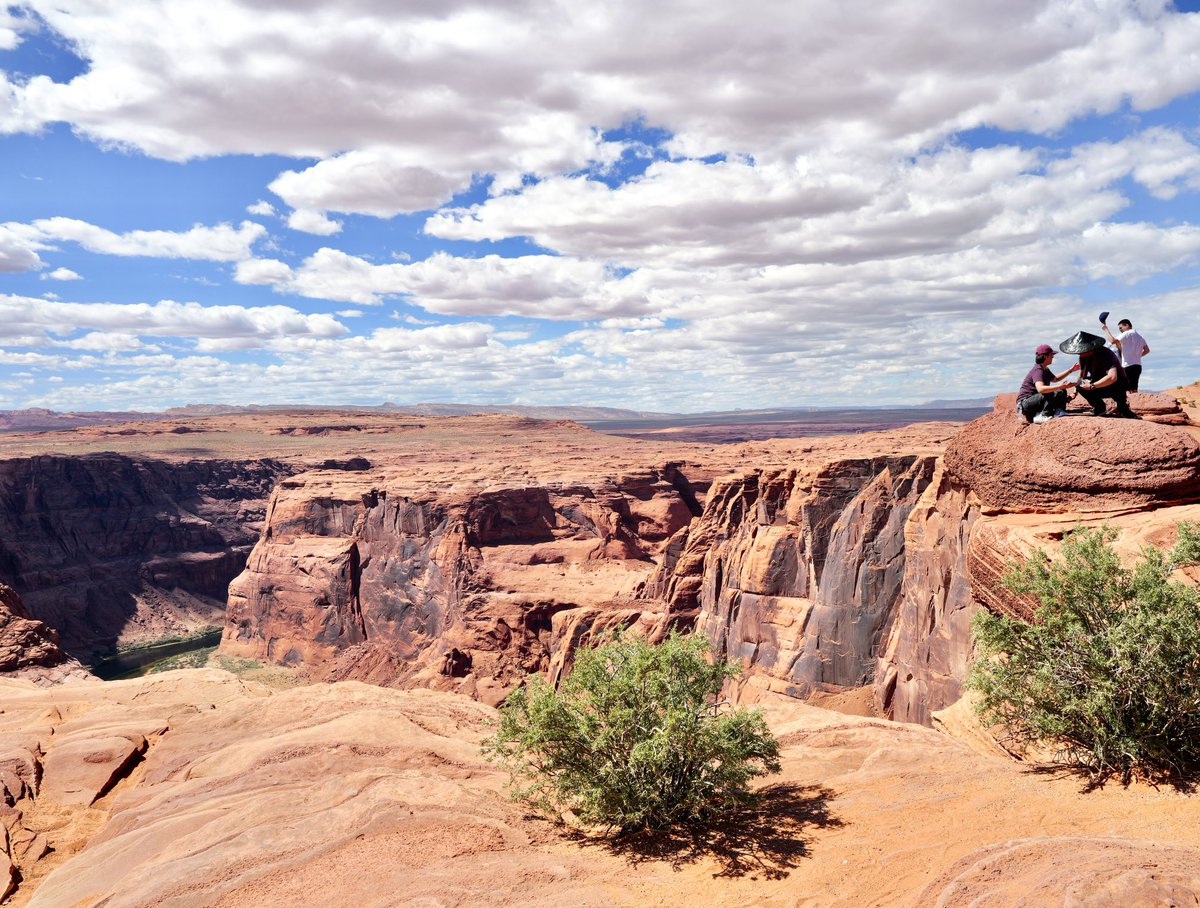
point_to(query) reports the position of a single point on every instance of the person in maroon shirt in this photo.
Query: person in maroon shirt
(1039, 398)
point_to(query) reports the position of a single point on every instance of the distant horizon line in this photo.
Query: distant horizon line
(187, 409)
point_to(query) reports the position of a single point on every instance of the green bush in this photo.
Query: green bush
(635, 738)
(1108, 671)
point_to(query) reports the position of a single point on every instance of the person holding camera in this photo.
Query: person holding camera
(1040, 398)
(1130, 345)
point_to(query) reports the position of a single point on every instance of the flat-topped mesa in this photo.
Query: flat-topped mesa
(1005, 488)
(453, 586)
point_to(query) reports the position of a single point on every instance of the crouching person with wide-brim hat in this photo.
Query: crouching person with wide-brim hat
(1040, 398)
(1101, 377)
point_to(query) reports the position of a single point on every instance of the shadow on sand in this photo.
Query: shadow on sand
(1182, 781)
(762, 840)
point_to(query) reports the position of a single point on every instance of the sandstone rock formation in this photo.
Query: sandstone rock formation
(29, 649)
(193, 788)
(466, 575)
(1005, 489)
(1074, 463)
(461, 554)
(105, 547)
(794, 574)
(454, 588)
(24, 641)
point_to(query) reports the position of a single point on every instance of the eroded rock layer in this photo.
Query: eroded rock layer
(457, 588)
(794, 574)
(195, 788)
(1074, 463)
(1004, 489)
(461, 554)
(107, 547)
(25, 642)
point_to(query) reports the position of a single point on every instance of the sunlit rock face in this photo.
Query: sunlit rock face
(868, 571)
(462, 554)
(835, 570)
(197, 788)
(1075, 462)
(794, 574)
(25, 642)
(457, 588)
(1005, 489)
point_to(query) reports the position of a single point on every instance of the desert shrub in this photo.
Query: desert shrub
(1108, 671)
(636, 737)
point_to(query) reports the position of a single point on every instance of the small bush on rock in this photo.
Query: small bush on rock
(635, 738)
(1108, 672)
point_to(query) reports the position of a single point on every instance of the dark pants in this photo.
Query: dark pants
(1034, 404)
(1097, 396)
(1133, 373)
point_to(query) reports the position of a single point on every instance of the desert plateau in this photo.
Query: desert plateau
(649, 454)
(383, 581)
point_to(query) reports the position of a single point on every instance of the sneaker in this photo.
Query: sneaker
(1098, 411)
(1043, 417)
(1126, 413)
(1058, 413)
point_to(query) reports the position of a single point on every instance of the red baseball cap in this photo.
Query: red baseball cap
(1044, 348)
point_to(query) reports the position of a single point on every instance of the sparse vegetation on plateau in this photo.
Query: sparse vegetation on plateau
(1108, 671)
(635, 738)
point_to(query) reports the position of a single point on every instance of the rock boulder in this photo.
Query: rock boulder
(1074, 463)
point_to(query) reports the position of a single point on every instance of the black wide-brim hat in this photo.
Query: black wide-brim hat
(1081, 342)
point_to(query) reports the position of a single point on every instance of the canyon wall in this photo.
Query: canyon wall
(869, 572)
(840, 571)
(794, 574)
(1004, 488)
(464, 554)
(107, 547)
(462, 588)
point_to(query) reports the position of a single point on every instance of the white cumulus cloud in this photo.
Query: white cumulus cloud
(61, 274)
(167, 318)
(222, 243)
(308, 221)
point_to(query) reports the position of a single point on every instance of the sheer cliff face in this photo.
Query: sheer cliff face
(928, 649)
(1004, 489)
(465, 589)
(869, 572)
(106, 547)
(795, 574)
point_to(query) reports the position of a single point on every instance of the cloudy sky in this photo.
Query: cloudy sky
(679, 205)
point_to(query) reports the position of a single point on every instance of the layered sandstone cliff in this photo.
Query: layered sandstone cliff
(1005, 488)
(107, 547)
(467, 576)
(464, 553)
(868, 572)
(849, 566)
(29, 649)
(794, 574)
(456, 588)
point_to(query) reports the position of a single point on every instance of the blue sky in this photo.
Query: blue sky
(667, 207)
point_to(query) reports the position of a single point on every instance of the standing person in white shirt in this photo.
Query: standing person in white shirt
(1130, 345)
